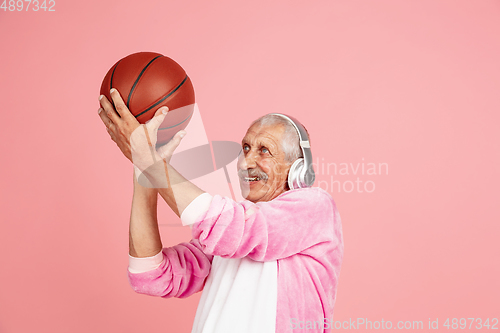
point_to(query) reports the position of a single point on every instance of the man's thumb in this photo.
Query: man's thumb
(167, 150)
(159, 116)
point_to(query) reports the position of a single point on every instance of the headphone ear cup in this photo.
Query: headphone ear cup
(294, 181)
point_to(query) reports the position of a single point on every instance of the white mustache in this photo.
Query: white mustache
(252, 173)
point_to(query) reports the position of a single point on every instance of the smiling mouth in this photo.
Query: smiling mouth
(251, 179)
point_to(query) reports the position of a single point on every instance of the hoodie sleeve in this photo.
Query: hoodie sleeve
(297, 221)
(181, 272)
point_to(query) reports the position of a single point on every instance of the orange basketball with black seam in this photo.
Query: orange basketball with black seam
(147, 81)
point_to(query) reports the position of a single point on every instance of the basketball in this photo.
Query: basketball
(147, 81)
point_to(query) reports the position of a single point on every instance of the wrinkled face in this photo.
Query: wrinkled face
(262, 167)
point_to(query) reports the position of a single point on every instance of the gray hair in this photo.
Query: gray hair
(290, 141)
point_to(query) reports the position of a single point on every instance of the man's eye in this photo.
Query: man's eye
(246, 148)
(265, 150)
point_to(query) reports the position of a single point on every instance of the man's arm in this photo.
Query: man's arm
(144, 236)
(178, 192)
(177, 271)
(302, 221)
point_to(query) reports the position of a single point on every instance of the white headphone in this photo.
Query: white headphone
(301, 173)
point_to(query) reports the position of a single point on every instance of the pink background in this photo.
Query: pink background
(413, 84)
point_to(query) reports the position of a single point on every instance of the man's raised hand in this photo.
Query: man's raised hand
(138, 142)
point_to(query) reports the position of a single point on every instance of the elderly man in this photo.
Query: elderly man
(267, 264)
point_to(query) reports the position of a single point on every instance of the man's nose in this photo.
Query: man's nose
(248, 161)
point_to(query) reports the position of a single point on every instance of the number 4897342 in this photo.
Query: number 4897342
(34, 5)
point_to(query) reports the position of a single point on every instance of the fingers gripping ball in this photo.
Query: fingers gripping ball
(147, 81)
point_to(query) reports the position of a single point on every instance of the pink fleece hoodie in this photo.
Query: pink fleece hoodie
(300, 230)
